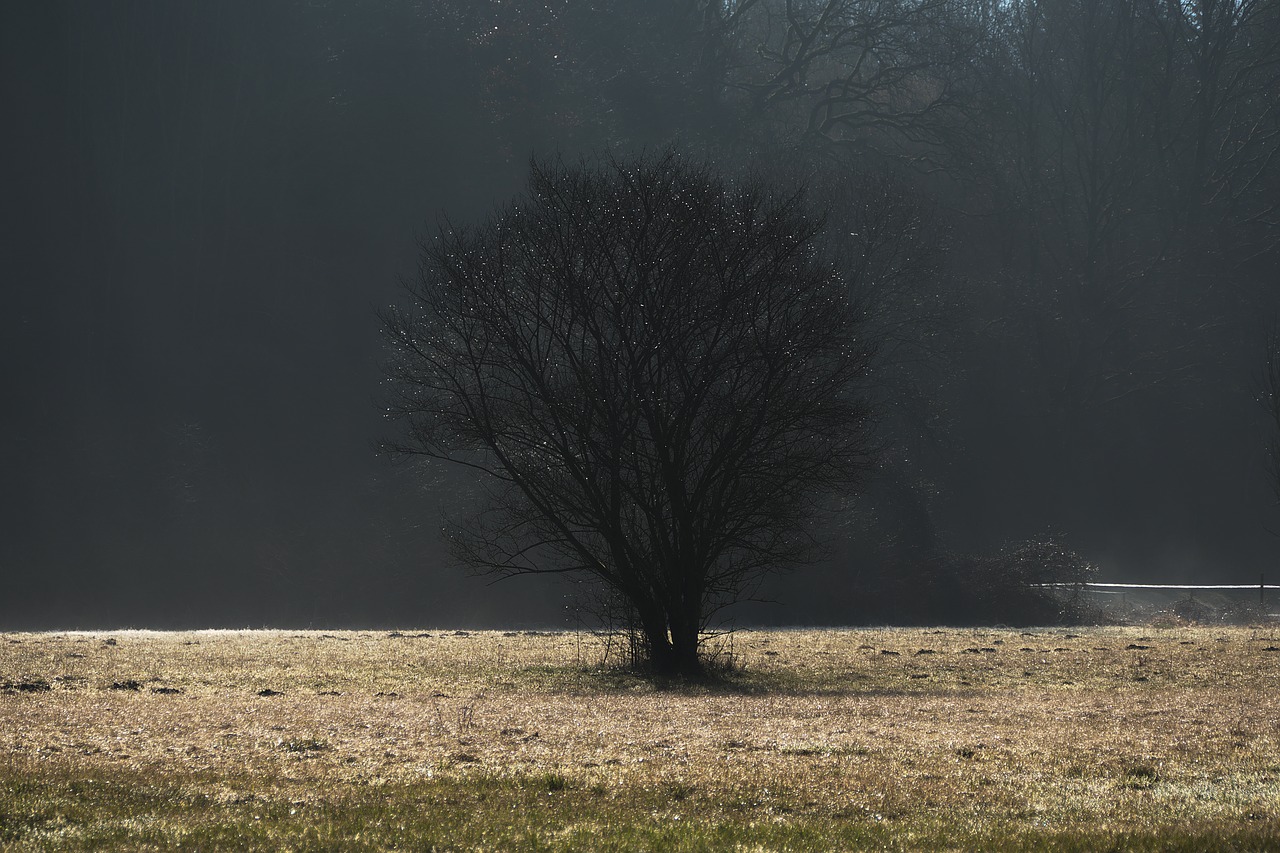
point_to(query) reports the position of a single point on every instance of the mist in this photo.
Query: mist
(206, 204)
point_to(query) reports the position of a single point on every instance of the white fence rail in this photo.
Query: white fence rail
(1168, 585)
(1219, 600)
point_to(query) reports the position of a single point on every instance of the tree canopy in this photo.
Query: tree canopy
(661, 372)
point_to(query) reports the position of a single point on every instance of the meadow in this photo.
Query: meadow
(1085, 739)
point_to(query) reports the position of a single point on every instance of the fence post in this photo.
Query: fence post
(1262, 589)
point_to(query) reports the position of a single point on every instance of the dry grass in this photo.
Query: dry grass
(900, 738)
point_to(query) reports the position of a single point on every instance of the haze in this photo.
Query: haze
(206, 203)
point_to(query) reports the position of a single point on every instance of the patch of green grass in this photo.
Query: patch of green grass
(61, 811)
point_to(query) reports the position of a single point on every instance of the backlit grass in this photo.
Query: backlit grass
(905, 739)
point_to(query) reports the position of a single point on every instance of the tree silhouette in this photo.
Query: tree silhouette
(661, 373)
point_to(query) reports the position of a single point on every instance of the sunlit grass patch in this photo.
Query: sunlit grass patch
(499, 740)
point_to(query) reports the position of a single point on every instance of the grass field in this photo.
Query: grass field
(1116, 738)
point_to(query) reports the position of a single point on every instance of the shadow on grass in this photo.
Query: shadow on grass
(721, 682)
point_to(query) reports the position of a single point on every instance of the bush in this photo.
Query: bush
(1009, 588)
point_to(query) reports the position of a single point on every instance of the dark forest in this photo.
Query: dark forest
(207, 204)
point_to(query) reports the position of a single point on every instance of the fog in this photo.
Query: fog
(205, 205)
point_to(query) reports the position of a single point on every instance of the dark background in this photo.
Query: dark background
(205, 203)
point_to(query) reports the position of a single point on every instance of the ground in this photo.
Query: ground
(902, 739)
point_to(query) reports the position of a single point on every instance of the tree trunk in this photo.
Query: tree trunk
(684, 650)
(672, 652)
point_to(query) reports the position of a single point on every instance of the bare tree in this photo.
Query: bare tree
(660, 372)
(875, 77)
